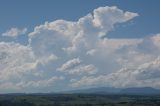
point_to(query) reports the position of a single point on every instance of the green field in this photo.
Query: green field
(78, 100)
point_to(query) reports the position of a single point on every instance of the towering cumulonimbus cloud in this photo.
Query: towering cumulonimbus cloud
(65, 54)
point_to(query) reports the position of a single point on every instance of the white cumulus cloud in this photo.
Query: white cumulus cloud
(69, 64)
(80, 52)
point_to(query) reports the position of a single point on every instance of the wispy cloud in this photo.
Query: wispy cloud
(14, 32)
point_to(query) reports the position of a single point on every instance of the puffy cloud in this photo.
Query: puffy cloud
(74, 66)
(91, 52)
(146, 74)
(88, 81)
(106, 17)
(30, 86)
(40, 83)
(83, 69)
(89, 69)
(14, 32)
(81, 35)
(18, 64)
(79, 52)
(46, 59)
(64, 40)
(69, 64)
(15, 59)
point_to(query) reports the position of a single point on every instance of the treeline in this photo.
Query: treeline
(79, 100)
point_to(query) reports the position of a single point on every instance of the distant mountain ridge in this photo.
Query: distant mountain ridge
(101, 91)
(141, 91)
(112, 90)
(96, 90)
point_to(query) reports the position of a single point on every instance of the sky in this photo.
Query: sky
(57, 45)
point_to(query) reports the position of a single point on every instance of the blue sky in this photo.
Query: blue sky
(54, 45)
